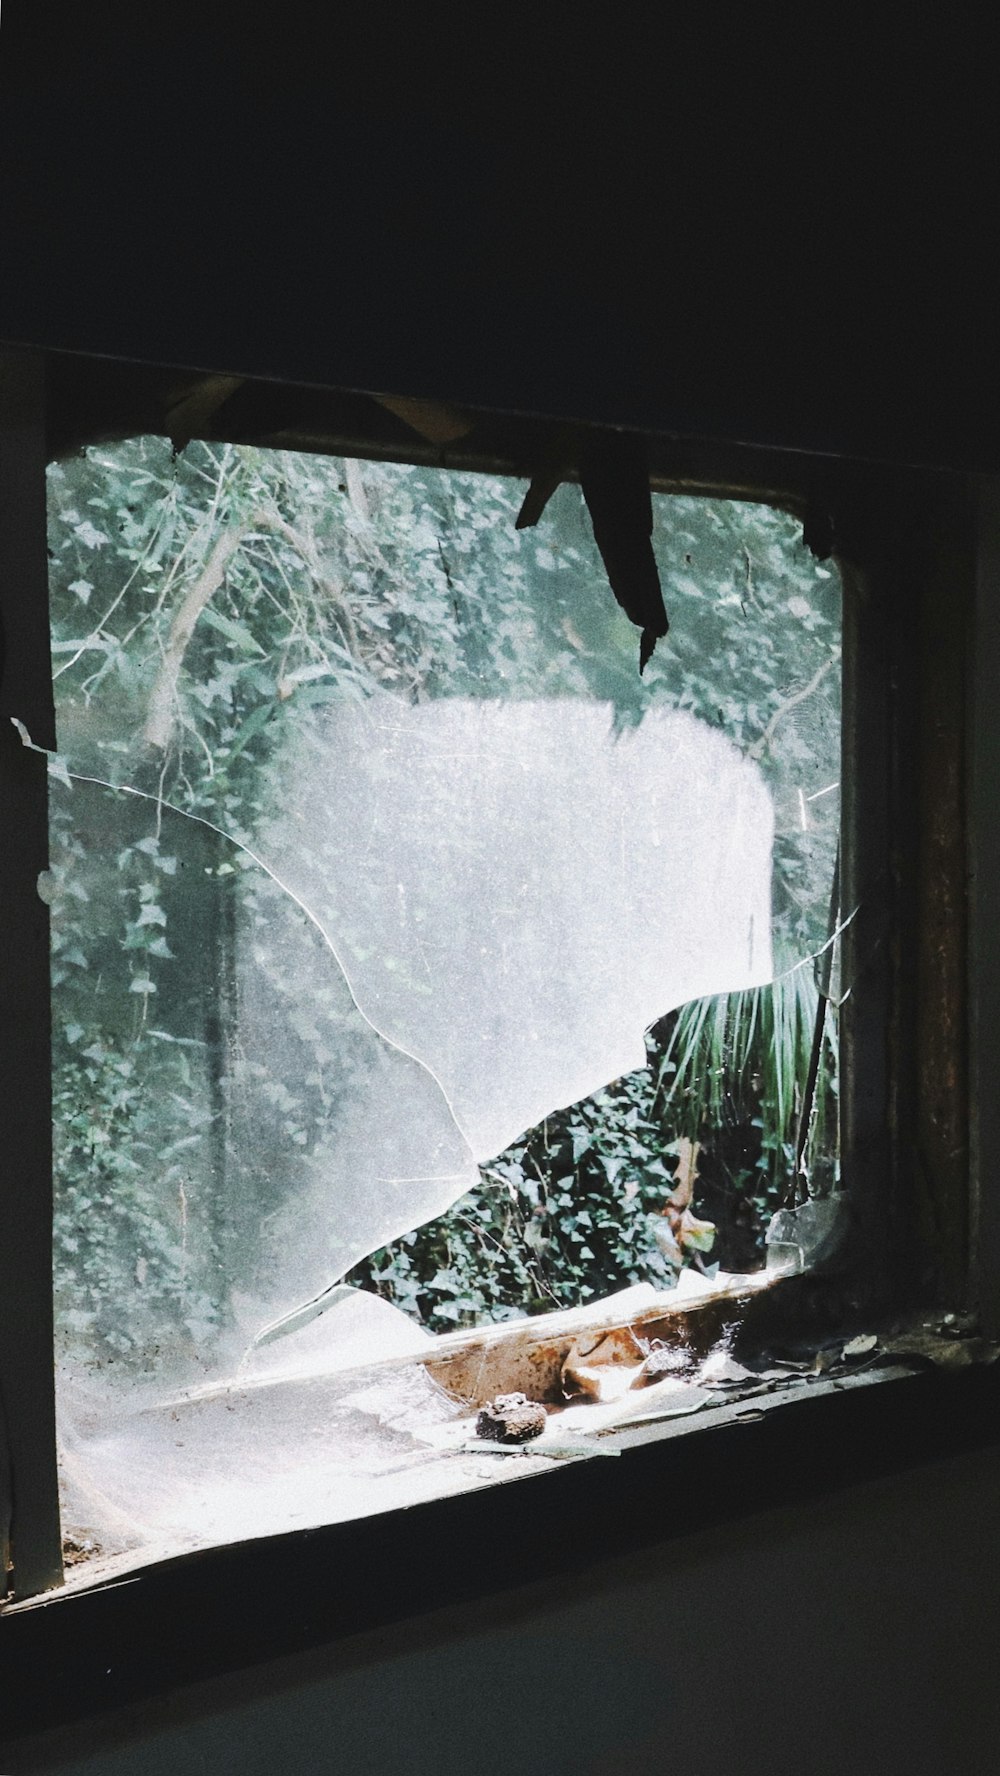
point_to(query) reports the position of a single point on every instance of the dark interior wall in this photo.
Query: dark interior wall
(851, 1637)
(770, 230)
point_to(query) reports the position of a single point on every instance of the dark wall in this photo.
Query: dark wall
(852, 1637)
(774, 227)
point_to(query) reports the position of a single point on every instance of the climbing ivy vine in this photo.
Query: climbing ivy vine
(203, 604)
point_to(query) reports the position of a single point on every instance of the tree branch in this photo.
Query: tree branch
(163, 700)
(305, 547)
(760, 746)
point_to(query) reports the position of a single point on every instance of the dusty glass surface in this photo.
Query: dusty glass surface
(373, 856)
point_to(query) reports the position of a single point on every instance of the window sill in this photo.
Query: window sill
(279, 1449)
(115, 1642)
(358, 1424)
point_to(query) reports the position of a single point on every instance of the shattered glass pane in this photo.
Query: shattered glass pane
(372, 856)
(522, 914)
(284, 1135)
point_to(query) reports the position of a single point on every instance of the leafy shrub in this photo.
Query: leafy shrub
(577, 1209)
(303, 579)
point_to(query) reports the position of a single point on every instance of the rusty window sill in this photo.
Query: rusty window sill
(597, 1374)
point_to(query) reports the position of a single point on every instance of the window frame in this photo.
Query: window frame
(906, 547)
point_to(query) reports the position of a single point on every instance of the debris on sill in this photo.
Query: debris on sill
(721, 1370)
(531, 1355)
(80, 1546)
(615, 1379)
(601, 1368)
(953, 1325)
(326, 1447)
(511, 1418)
(663, 1360)
(950, 1341)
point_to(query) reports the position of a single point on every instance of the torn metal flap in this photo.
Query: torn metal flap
(614, 475)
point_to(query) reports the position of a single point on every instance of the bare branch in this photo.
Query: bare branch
(306, 547)
(163, 701)
(760, 746)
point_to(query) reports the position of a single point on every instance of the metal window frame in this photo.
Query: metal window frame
(29, 1497)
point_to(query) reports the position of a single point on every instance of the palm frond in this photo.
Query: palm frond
(750, 1049)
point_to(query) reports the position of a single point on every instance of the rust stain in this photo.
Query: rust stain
(526, 1359)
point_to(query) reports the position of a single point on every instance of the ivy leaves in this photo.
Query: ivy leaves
(206, 604)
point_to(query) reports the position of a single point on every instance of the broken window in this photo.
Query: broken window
(417, 965)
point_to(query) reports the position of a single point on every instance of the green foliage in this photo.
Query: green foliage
(721, 1056)
(576, 1209)
(562, 1217)
(208, 604)
(122, 1215)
